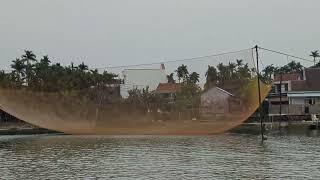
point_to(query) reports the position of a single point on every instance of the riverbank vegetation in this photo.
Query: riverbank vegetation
(30, 72)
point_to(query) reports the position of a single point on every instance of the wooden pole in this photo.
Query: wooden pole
(280, 97)
(262, 128)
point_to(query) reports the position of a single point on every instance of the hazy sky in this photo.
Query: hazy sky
(117, 32)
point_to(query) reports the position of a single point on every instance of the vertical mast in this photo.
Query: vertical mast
(259, 93)
(280, 97)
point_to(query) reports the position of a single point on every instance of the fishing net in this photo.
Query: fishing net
(203, 95)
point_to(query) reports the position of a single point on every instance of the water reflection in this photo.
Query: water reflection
(159, 157)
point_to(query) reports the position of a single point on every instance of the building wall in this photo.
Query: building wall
(283, 84)
(297, 106)
(214, 101)
(297, 100)
(142, 78)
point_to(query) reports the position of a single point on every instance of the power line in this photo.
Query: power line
(285, 54)
(199, 58)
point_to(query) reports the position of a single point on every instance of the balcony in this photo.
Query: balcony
(293, 109)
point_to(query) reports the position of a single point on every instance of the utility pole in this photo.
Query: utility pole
(262, 126)
(280, 97)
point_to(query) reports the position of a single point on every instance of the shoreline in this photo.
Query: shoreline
(26, 131)
(247, 128)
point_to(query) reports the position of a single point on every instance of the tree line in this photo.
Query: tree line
(40, 74)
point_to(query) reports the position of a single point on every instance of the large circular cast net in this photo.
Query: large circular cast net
(203, 95)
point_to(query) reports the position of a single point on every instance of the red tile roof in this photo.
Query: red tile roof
(298, 85)
(168, 88)
(312, 82)
(313, 78)
(288, 77)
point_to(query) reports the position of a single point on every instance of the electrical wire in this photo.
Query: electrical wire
(199, 58)
(285, 54)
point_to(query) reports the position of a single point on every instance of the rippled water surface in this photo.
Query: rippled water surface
(228, 156)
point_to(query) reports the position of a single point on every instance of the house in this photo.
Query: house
(300, 93)
(168, 91)
(281, 82)
(233, 86)
(142, 79)
(218, 101)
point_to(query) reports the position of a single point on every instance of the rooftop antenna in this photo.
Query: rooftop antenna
(262, 125)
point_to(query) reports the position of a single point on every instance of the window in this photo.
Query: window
(277, 88)
(309, 101)
(273, 90)
(286, 87)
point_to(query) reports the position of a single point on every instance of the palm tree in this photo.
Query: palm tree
(27, 59)
(18, 66)
(239, 62)
(244, 72)
(232, 69)
(45, 60)
(295, 67)
(182, 73)
(223, 73)
(194, 78)
(170, 78)
(28, 56)
(211, 77)
(315, 54)
(83, 67)
(268, 71)
(18, 70)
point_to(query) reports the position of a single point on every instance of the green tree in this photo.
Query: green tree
(315, 54)
(182, 73)
(188, 99)
(211, 77)
(291, 67)
(232, 70)
(83, 67)
(28, 58)
(170, 78)
(194, 78)
(244, 72)
(267, 73)
(18, 71)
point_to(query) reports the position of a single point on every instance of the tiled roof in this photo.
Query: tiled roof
(168, 88)
(313, 78)
(288, 77)
(298, 85)
(312, 82)
(234, 86)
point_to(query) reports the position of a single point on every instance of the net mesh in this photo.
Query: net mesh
(204, 95)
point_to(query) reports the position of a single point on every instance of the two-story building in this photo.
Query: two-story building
(296, 94)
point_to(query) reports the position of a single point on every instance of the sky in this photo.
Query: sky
(120, 32)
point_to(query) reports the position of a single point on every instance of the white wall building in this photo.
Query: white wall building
(141, 79)
(300, 94)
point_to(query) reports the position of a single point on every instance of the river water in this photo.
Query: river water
(227, 156)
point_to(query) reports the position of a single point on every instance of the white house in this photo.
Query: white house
(300, 94)
(141, 79)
